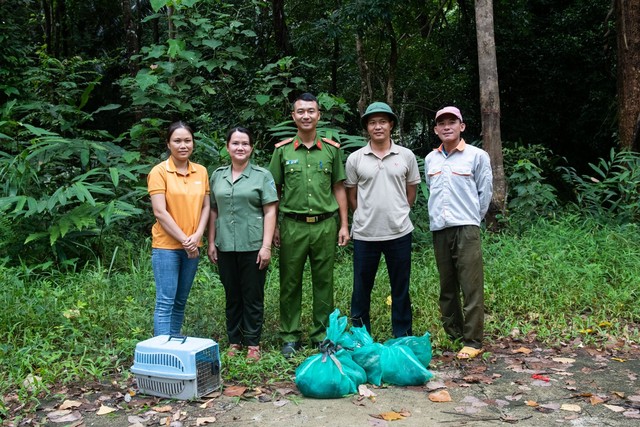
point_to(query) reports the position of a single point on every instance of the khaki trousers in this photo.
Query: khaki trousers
(458, 255)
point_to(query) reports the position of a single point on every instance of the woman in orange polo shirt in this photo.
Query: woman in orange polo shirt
(179, 192)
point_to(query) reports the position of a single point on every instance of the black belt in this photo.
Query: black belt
(310, 218)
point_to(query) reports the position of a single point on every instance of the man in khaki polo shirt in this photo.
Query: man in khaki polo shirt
(382, 180)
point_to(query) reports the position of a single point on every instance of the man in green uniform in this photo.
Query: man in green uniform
(308, 172)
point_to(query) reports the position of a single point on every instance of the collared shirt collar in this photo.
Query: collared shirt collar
(298, 143)
(246, 172)
(393, 149)
(459, 147)
(171, 166)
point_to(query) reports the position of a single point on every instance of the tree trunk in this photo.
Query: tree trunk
(132, 47)
(335, 63)
(48, 35)
(628, 35)
(393, 65)
(366, 93)
(280, 29)
(490, 107)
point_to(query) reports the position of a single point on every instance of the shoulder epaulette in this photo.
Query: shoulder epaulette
(330, 142)
(285, 142)
(220, 168)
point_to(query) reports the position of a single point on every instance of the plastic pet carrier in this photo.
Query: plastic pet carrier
(177, 367)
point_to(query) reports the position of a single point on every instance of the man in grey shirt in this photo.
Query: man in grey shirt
(382, 180)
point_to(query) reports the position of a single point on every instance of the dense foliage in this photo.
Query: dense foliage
(85, 104)
(87, 89)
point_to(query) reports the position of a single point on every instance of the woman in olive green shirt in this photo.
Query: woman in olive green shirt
(241, 223)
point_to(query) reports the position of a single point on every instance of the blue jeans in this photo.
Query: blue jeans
(174, 273)
(366, 257)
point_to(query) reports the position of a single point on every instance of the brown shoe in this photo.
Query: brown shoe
(233, 350)
(253, 353)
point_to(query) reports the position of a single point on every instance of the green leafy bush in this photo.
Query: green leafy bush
(612, 192)
(532, 196)
(65, 191)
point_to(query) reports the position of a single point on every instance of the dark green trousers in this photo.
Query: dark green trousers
(299, 241)
(459, 258)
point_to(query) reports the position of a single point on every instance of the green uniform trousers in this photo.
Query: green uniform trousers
(299, 240)
(459, 258)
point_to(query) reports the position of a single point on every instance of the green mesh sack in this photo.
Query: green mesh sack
(394, 362)
(366, 353)
(368, 357)
(421, 346)
(360, 336)
(332, 373)
(329, 375)
(400, 366)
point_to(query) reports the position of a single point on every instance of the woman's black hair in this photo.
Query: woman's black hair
(241, 130)
(178, 125)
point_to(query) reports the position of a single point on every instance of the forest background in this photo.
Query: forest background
(87, 89)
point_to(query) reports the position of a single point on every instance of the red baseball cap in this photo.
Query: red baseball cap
(449, 110)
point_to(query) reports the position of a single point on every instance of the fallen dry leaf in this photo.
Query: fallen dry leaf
(280, 403)
(64, 416)
(617, 359)
(540, 377)
(514, 397)
(358, 401)
(563, 359)
(264, 398)
(104, 410)
(550, 406)
(523, 350)
(212, 395)
(234, 391)
(595, 400)
(634, 398)
(614, 408)
(206, 404)
(69, 404)
(571, 407)
(364, 391)
(135, 419)
(205, 420)
(284, 391)
(165, 408)
(389, 416)
(620, 394)
(31, 381)
(633, 413)
(435, 385)
(531, 403)
(440, 396)
(404, 412)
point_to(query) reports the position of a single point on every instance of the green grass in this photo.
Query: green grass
(558, 281)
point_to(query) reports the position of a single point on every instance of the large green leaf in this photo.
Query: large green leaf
(156, 5)
(176, 46)
(262, 99)
(145, 80)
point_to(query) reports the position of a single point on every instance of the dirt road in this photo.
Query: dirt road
(525, 385)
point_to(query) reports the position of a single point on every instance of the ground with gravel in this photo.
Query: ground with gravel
(526, 384)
